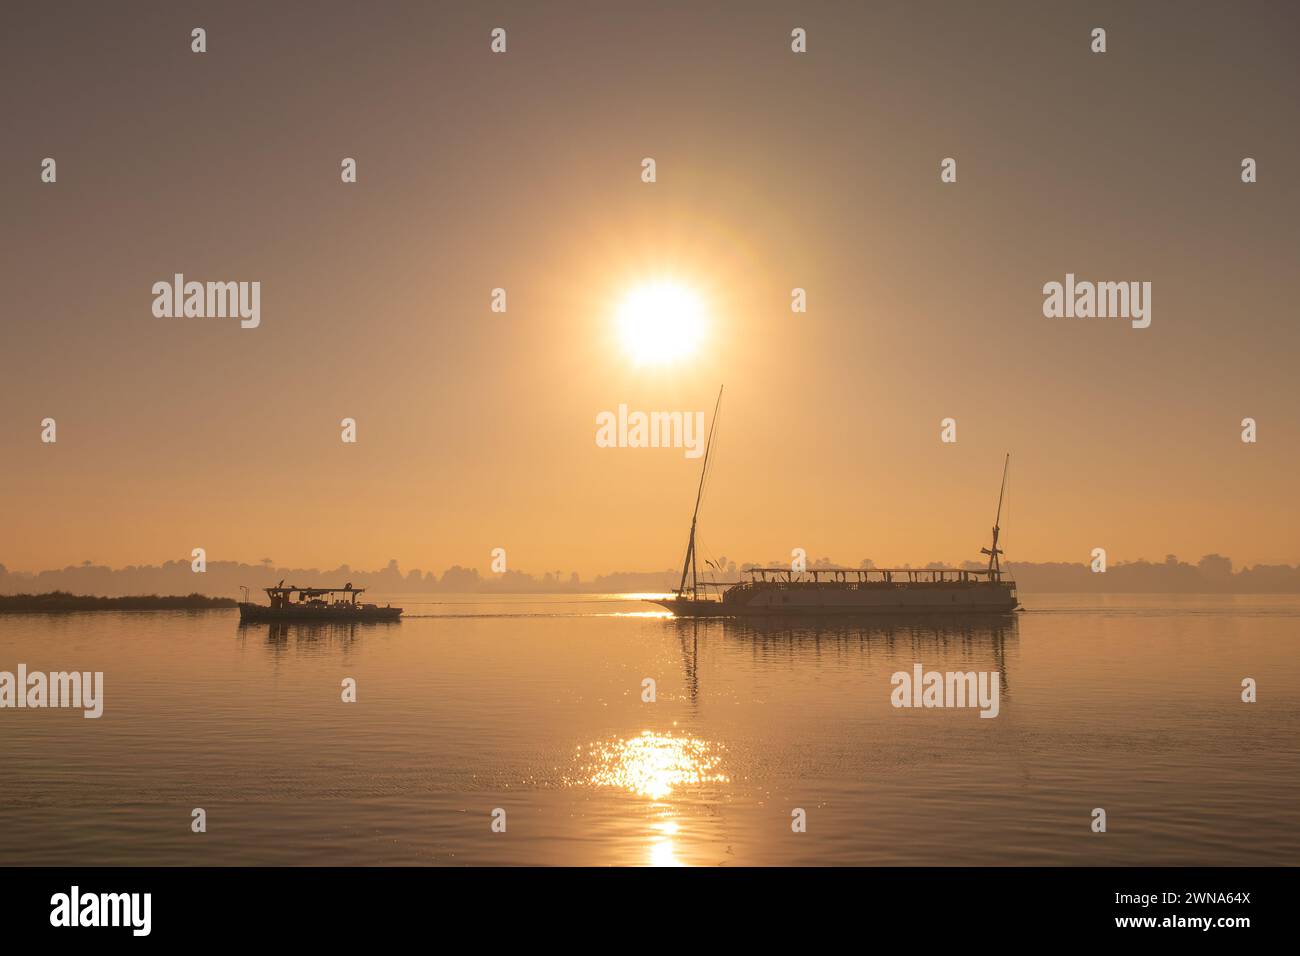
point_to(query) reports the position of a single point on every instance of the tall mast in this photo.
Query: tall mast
(689, 564)
(995, 566)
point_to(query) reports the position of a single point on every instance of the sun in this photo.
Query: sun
(660, 323)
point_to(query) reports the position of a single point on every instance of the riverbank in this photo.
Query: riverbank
(54, 601)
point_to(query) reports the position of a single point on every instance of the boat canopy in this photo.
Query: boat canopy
(282, 591)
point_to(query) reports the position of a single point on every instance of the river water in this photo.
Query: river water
(529, 711)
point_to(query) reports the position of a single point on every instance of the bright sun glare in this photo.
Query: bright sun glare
(660, 322)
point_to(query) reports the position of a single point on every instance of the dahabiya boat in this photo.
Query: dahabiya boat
(847, 591)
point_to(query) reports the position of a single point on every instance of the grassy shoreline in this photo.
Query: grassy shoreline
(54, 601)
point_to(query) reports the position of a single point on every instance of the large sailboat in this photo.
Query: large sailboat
(783, 591)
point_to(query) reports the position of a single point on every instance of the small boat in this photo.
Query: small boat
(871, 592)
(316, 604)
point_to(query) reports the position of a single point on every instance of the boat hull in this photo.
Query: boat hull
(257, 612)
(866, 601)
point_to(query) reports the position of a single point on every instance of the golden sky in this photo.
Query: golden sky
(523, 171)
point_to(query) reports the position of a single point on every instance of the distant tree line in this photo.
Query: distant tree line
(1212, 574)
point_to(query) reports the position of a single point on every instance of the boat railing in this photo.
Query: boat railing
(855, 577)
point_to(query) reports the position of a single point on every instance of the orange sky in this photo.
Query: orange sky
(523, 171)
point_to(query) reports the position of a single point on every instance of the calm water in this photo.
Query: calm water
(534, 705)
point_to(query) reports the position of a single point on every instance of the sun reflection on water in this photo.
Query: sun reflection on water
(653, 765)
(641, 597)
(662, 850)
(656, 766)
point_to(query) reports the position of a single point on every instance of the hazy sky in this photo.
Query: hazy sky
(523, 171)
